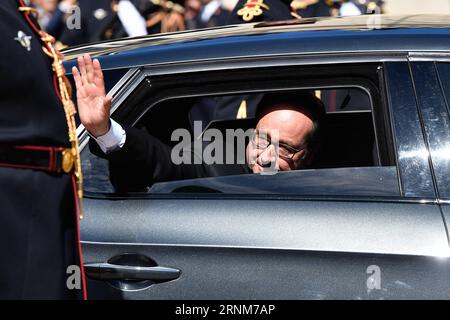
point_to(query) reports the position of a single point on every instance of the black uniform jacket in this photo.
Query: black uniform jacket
(144, 160)
(277, 10)
(98, 22)
(37, 213)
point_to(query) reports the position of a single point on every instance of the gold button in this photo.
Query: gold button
(67, 160)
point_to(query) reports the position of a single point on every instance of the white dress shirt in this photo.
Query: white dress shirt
(113, 140)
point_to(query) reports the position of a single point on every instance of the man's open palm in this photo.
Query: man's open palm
(93, 104)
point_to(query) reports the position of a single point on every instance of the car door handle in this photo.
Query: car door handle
(108, 271)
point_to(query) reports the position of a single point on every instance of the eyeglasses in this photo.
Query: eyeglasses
(262, 142)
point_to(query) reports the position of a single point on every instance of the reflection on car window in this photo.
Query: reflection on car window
(375, 181)
(95, 173)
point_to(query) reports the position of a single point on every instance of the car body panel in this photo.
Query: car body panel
(301, 225)
(445, 207)
(279, 246)
(237, 249)
(234, 273)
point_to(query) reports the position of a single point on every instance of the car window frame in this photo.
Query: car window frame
(414, 167)
(433, 95)
(148, 71)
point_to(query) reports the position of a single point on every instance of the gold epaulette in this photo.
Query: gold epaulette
(251, 9)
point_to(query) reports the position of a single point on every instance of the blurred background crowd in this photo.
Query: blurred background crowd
(75, 22)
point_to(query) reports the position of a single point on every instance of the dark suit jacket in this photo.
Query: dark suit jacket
(144, 160)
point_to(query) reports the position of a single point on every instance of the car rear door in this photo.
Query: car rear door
(285, 247)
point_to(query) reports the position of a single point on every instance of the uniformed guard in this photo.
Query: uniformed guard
(100, 20)
(241, 106)
(162, 15)
(326, 8)
(213, 13)
(261, 10)
(40, 173)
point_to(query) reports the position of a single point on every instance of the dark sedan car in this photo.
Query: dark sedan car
(368, 220)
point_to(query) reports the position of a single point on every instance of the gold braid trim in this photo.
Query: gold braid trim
(251, 9)
(69, 110)
(71, 157)
(29, 10)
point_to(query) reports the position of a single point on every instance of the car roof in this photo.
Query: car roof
(366, 33)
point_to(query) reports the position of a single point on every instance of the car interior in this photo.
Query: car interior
(348, 137)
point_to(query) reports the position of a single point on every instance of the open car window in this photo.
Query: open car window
(354, 158)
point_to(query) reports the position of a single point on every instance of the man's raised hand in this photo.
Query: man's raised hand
(93, 103)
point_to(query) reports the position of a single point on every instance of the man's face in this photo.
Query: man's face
(287, 128)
